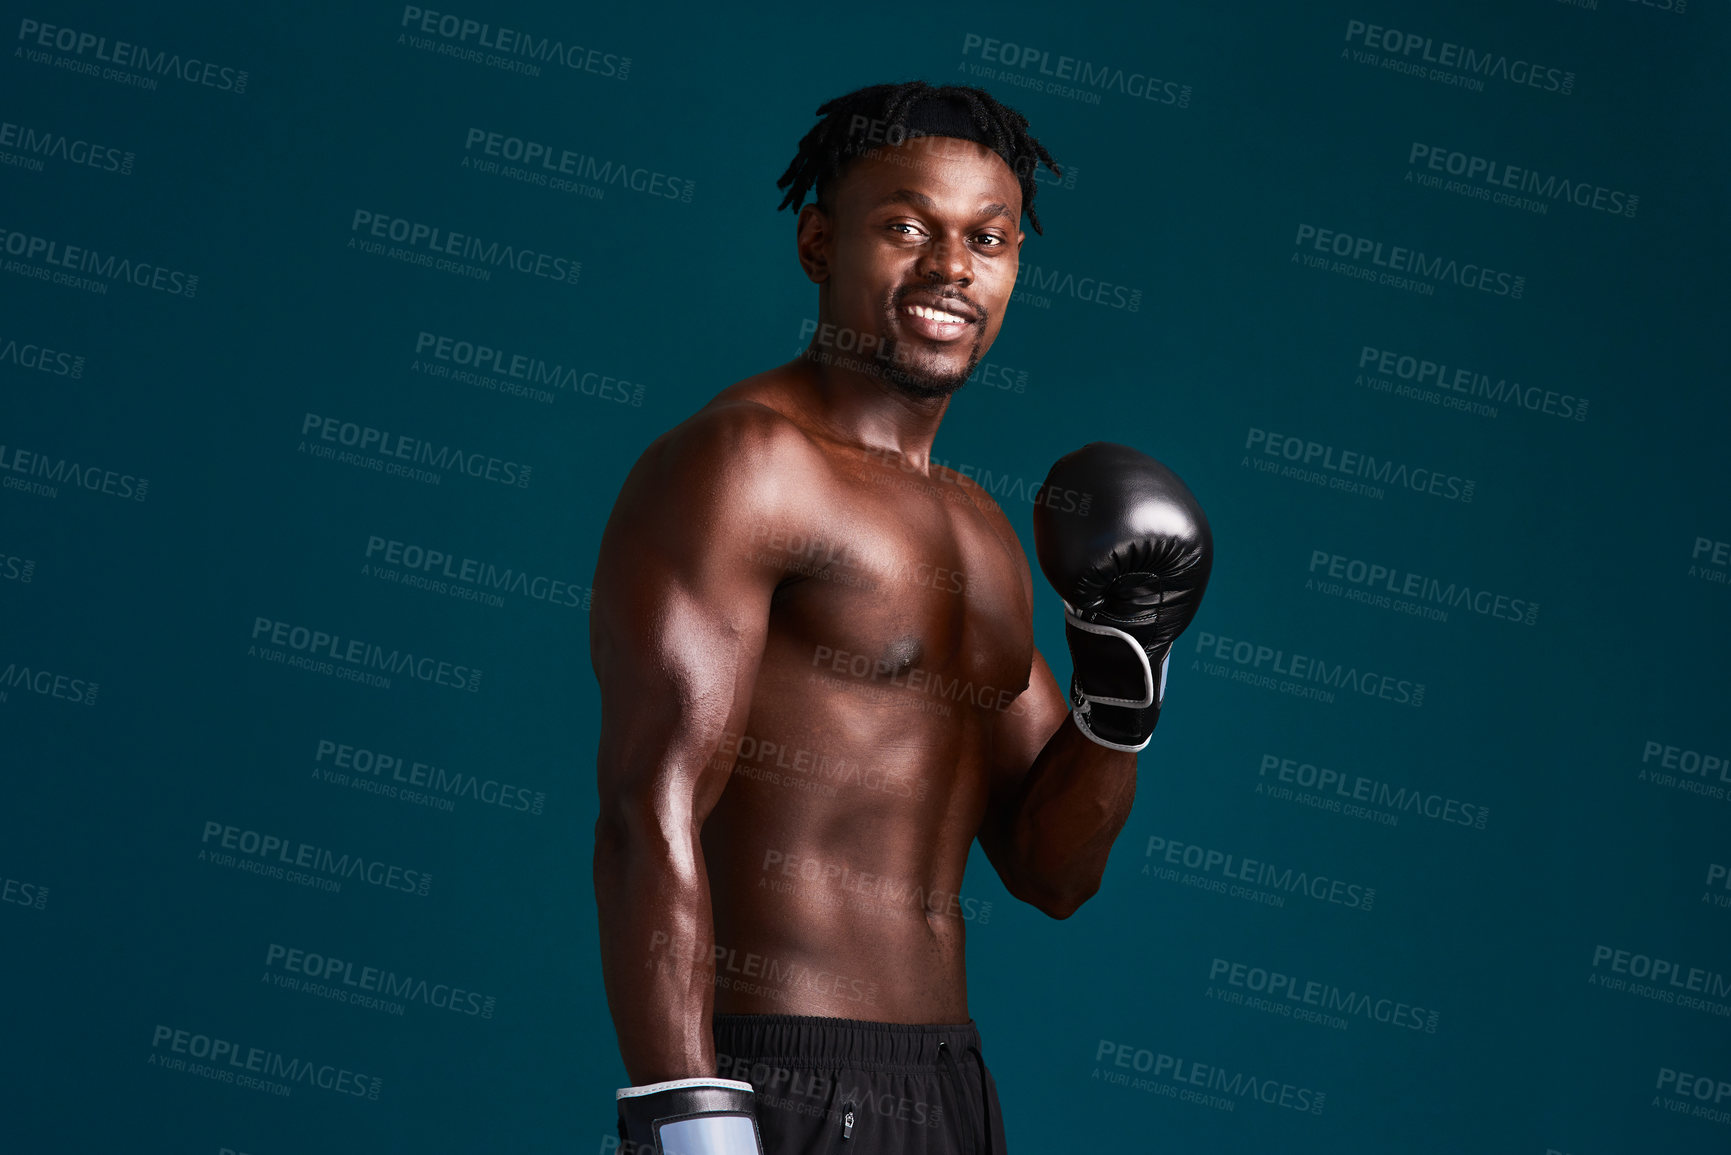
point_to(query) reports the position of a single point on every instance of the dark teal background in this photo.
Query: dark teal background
(1197, 207)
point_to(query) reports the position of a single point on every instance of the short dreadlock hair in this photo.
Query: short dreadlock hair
(854, 124)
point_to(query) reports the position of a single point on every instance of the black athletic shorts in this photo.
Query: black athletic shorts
(849, 1087)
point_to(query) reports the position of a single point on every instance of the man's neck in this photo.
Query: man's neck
(866, 410)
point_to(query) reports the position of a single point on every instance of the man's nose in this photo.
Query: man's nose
(947, 261)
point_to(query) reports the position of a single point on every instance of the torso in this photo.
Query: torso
(901, 629)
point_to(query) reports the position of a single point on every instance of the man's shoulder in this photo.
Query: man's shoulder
(981, 499)
(733, 452)
(738, 435)
(993, 515)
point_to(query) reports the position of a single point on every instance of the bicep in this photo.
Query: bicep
(675, 667)
(680, 615)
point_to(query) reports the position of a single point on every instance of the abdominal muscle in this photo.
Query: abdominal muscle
(798, 954)
(838, 898)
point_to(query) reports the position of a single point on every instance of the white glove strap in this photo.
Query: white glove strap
(680, 1084)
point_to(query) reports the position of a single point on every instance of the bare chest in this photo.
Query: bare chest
(901, 585)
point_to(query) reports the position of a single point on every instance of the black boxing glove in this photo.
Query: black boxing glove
(1131, 563)
(702, 1116)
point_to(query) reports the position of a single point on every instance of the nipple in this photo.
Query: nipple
(904, 652)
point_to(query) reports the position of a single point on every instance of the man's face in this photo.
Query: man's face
(918, 250)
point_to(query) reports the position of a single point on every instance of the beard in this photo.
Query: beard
(906, 372)
(916, 370)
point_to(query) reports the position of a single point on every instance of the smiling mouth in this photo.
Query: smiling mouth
(940, 316)
(944, 321)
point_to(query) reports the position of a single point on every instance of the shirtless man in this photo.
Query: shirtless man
(819, 684)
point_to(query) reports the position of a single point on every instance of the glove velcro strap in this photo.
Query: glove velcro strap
(1106, 658)
(1080, 714)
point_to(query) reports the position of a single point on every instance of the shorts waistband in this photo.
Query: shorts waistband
(811, 1040)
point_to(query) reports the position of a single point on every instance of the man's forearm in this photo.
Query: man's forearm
(1075, 799)
(652, 899)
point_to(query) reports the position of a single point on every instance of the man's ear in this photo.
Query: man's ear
(814, 237)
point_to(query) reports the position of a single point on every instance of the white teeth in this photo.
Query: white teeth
(934, 314)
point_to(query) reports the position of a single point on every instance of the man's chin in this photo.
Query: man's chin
(926, 384)
(927, 376)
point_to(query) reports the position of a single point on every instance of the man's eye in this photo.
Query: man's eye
(904, 225)
(992, 237)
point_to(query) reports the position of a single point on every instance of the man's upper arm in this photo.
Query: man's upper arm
(681, 609)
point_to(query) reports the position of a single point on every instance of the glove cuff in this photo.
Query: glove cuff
(705, 1114)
